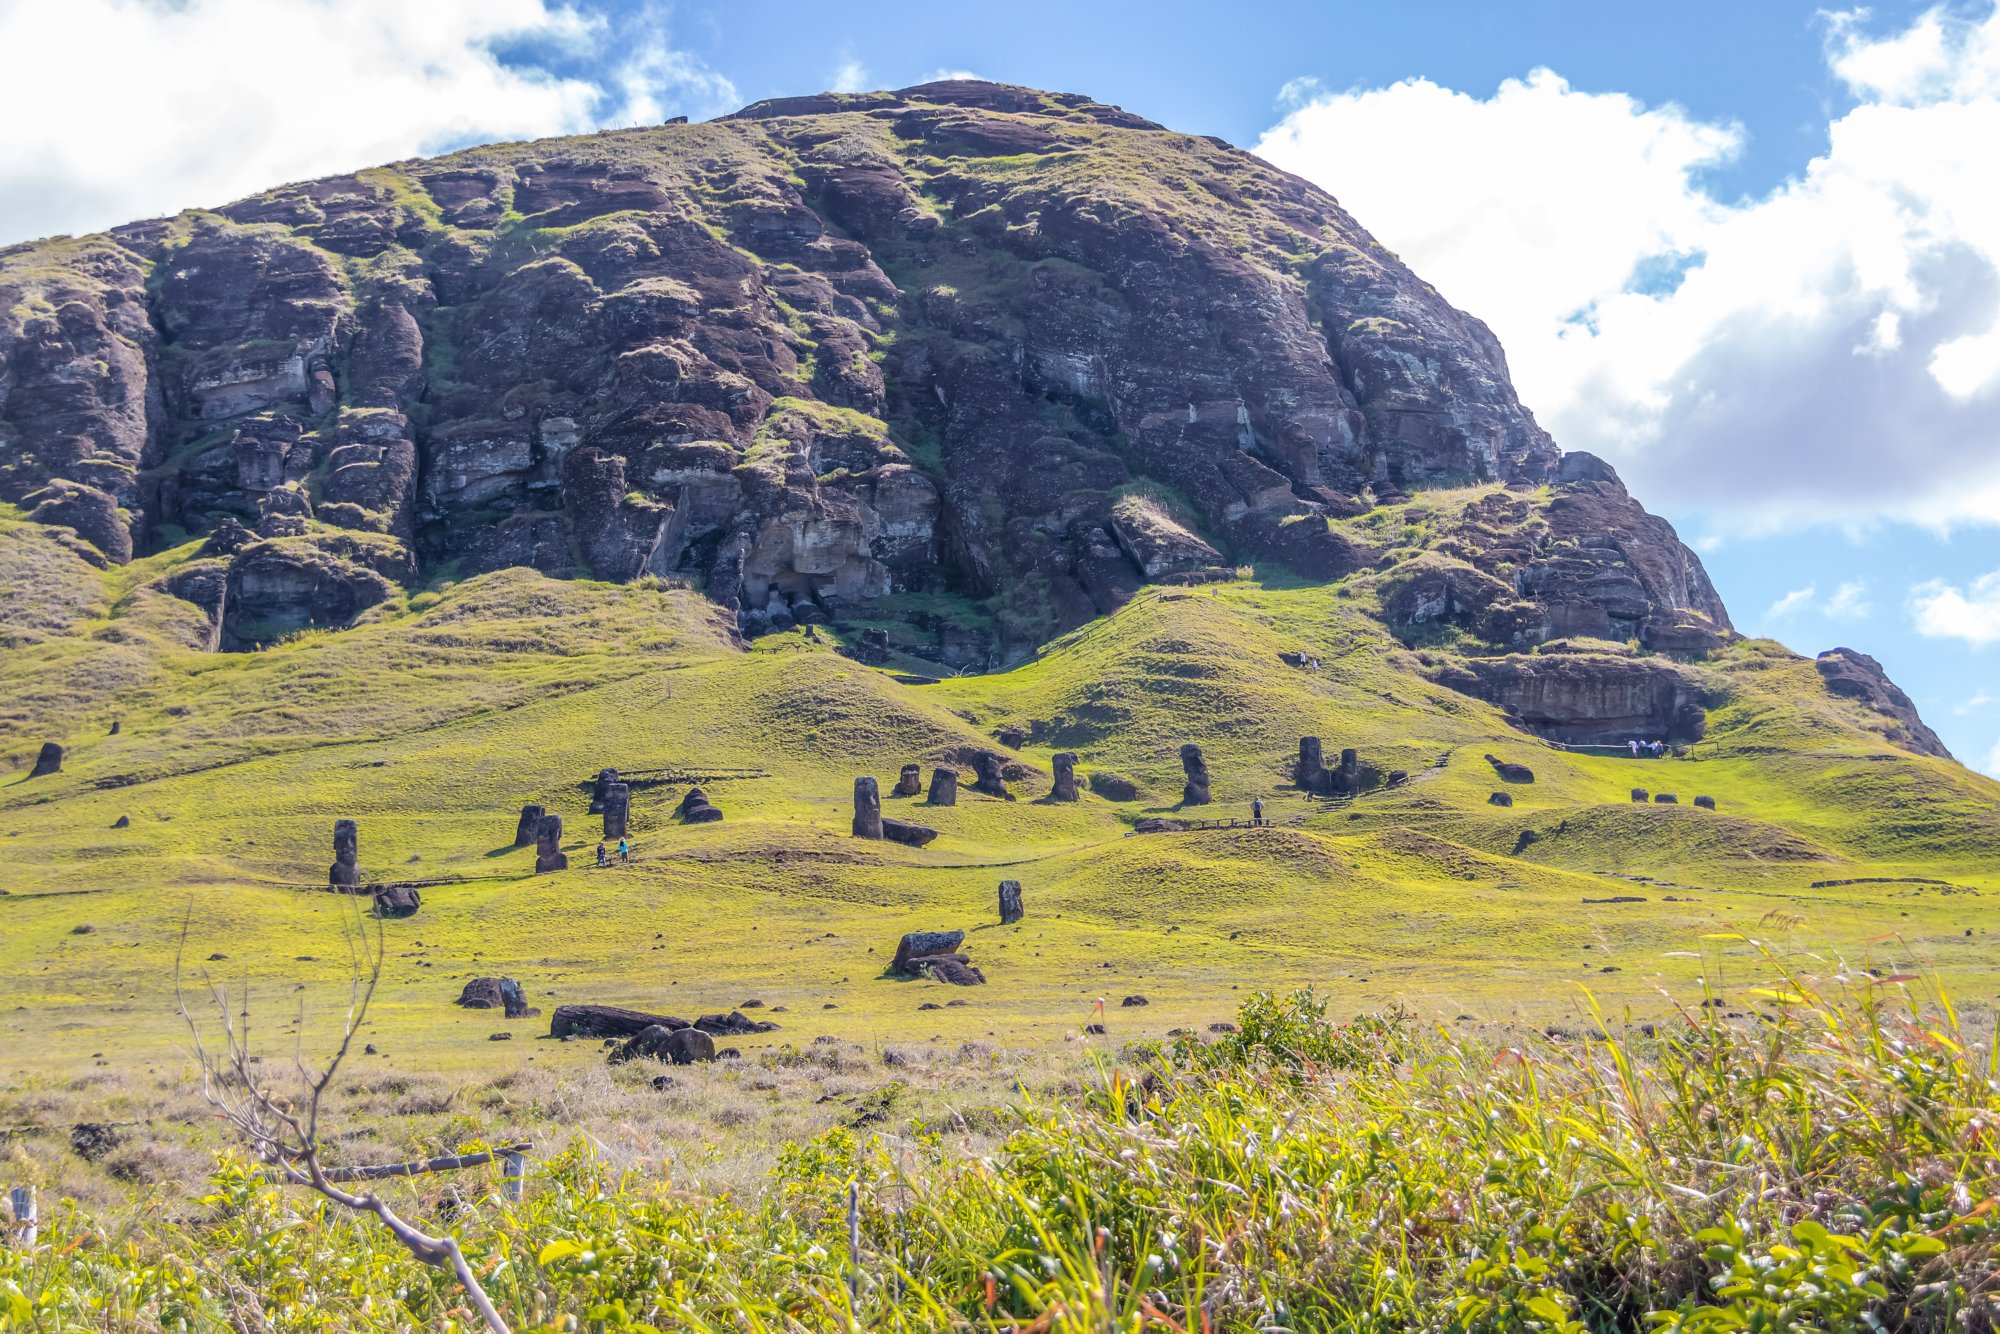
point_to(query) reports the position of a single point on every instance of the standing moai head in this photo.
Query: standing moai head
(1196, 792)
(530, 822)
(617, 809)
(1010, 902)
(549, 855)
(49, 761)
(989, 772)
(944, 787)
(1350, 773)
(910, 783)
(598, 789)
(1311, 762)
(1065, 767)
(867, 808)
(345, 873)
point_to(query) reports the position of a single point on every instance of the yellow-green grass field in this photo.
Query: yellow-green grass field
(435, 720)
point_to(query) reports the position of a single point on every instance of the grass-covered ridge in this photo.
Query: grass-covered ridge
(1831, 1167)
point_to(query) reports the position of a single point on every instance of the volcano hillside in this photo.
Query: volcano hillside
(851, 433)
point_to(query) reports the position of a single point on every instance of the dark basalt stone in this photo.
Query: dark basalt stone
(606, 1021)
(1499, 799)
(49, 761)
(400, 901)
(1706, 803)
(902, 831)
(497, 993)
(676, 1046)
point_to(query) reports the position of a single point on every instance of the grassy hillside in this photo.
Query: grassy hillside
(436, 719)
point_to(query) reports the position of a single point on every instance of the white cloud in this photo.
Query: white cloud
(1849, 603)
(1829, 353)
(945, 73)
(1792, 603)
(1981, 701)
(124, 109)
(851, 77)
(1971, 613)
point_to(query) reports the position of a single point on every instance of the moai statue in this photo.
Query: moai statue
(49, 761)
(530, 823)
(617, 809)
(910, 783)
(990, 777)
(1349, 780)
(944, 787)
(605, 778)
(1010, 902)
(1065, 764)
(549, 855)
(1196, 792)
(1310, 770)
(345, 873)
(867, 809)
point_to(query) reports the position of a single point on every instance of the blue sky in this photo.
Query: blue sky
(1749, 251)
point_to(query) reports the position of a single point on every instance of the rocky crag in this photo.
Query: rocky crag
(965, 364)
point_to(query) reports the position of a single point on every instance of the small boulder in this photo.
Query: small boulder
(676, 1046)
(122, 822)
(1131, 1002)
(1499, 799)
(1665, 799)
(1706, 803)
(401, 901)
(1640, 794)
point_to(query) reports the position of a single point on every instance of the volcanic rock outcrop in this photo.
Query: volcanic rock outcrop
(1858, 677)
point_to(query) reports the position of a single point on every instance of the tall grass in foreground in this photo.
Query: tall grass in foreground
(1829, 1165)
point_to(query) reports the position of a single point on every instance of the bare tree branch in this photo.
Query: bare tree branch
(285, 1136)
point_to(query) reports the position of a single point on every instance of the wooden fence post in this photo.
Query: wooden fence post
(513, 1181)
(22, 1200)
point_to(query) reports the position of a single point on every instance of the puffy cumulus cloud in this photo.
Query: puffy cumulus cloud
(1849, 603)
(1827, 353)
(121, 109)
(1970, 613)
(1792, 603)
(851, 77)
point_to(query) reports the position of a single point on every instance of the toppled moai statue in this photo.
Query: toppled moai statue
(600, 788)
(910, 782)
(399, 901)
(1065, 769)
(617, 809)
(944, 787)
(1706, 803)
(1010, 902)
(529, 823)
(1510, 772)
(677, 1046)
(345, 873)
(1309, 770)
(935, 954)
(1196, 792)
(549, 855)
(1640, 794)
(497, 993)
(990, 774)
(902, 831)
(48, 762)
(1499, 799)
(695, 808)
(867, 809)
(606, 1021)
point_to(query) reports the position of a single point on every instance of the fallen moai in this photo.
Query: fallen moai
(345, 873)
(497, 993)
(606, 1021)
(1510, 772)
(398, 901)
(902, 831)
(1158, 825)
(935, 954)
(1196, 792)
(676, 1046)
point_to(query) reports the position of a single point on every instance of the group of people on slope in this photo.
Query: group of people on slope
(1641, 749)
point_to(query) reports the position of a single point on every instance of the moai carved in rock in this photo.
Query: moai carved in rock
(1010, 902)
(617, 809)
(49, 761)
(1065, 765)
(1349, 779)
(990, 777)
(345, 873)
(867, 809)
(944, 787)
(1196, 792)
(530, 823)
(1310, 769)
(549, 855)
(910, 783)
(598, 789)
